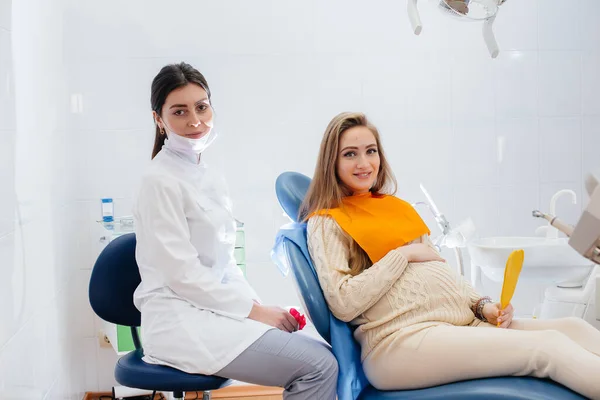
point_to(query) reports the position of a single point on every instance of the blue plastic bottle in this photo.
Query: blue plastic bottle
(108, 211)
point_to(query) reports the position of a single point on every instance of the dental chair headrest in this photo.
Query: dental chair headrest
(290, 188)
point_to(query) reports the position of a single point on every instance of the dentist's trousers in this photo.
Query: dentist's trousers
(566, 350)
(305, 367)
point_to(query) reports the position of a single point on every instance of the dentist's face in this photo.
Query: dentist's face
(358, 160)
(186, 112)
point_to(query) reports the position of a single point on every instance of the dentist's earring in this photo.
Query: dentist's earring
(160, 128)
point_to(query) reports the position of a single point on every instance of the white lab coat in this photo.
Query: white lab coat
(193, 297)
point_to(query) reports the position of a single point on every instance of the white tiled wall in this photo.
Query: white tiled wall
(44, 315)
(490, 139)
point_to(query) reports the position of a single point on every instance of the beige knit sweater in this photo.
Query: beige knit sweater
(392, 295)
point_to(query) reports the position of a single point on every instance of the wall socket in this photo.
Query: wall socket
(103, 340)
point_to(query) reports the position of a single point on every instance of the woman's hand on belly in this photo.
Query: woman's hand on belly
(420, 252)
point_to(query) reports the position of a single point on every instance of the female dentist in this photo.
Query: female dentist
(199, 314)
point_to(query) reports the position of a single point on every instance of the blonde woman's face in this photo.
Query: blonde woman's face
(358, 159)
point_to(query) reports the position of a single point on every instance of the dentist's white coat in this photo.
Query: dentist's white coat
(193, 298)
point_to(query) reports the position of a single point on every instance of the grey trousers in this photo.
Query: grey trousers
(305, 367)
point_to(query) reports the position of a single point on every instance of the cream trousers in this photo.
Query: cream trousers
(566, 350)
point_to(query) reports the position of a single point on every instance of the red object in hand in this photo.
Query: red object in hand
(299, 317)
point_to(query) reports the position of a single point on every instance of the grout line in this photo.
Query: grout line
(12, 338)
(581, 144)
(498, 165)
(40, 308)
(108, 130)
(49, 390)
(538, 118)
(7, 234)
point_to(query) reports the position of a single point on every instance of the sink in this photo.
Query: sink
(547, 261)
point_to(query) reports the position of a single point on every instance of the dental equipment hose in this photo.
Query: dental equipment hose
(555, 222)
(567, 229)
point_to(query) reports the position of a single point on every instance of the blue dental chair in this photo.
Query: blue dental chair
(291, 253)
(115, 277)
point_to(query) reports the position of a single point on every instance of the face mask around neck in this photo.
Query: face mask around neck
(181, 143)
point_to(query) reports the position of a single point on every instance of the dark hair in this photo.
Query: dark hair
(171, 77)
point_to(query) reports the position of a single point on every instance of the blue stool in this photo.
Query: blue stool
(291, 253)
(114, 279)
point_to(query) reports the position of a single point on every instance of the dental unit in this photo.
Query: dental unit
(584, 237)
(566, 269)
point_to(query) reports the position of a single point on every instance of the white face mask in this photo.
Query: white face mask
(181, 143)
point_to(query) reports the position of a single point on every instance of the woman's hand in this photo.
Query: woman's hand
(274, 316)
(493, 313)
(420, 252)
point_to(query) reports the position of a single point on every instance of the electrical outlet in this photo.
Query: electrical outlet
(103, 340)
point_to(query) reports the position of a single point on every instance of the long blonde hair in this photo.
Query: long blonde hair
(326, 189)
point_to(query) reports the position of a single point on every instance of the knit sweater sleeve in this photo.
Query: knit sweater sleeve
(474, 296)
(348, 296)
